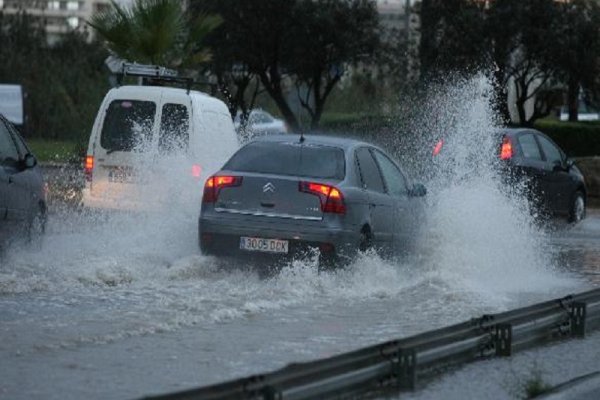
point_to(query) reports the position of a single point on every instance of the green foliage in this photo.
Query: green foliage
(577, 50)
(303, 42)
(59, 151)
(354, 122)
(63, 84)
(539, 44)
(332, 36)
(535, 387)
(156, 32)
(577, 139)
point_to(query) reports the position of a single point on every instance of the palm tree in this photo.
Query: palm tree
(156, 32)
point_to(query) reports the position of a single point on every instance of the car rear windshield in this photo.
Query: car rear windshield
(313, 161)
(127, 125)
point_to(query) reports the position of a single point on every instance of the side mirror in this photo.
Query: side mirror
(29, 161)
(418, 190)
(570, 163)
(560, 166)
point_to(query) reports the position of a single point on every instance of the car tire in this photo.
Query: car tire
(328, 262)
(366, 240)
(577, 209)
(37, 227)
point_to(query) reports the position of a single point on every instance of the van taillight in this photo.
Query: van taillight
(332, 199)
(506, 151)
(88, 168)
(196, 171)
(215, 183)
(438, 147)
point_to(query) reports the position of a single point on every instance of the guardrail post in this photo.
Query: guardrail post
(577, 317)
(503, 340)
(407, 369)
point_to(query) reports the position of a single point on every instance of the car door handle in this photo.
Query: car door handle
(10, 179)
(372, 205)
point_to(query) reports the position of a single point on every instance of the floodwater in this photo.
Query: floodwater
(143, 320)
(124, 305)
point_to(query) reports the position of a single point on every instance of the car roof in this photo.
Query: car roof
(513, 131)
(154, 90)
(336, 141)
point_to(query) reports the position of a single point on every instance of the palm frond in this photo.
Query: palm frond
(154, 31)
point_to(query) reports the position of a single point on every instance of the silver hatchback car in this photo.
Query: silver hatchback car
(283, 195)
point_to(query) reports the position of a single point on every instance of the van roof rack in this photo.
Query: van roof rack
(153, 74)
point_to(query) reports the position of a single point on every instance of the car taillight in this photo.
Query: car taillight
(438, 147)
(88, 168)
(215, 183)
(196, 171)
(506, 151)
(332, 199)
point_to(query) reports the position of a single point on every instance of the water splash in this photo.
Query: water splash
(480, 232)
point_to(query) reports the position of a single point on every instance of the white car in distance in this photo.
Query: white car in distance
(260, 123)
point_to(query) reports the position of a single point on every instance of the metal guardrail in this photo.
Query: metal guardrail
(399, 364)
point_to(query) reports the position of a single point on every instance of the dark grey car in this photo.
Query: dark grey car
(555, 186)
(283, 195)
(22, 194)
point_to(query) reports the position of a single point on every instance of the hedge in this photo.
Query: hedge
(577, 139)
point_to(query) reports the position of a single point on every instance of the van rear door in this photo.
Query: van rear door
(125, 141)
(175, 167)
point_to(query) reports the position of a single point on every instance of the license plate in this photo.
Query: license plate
(121, 176)
(264, 245)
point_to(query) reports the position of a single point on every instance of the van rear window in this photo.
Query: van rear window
(313, 161)
(128, 125)
(174, 132)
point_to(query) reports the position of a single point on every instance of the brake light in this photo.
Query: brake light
(88, 168)
(332, 199)
(438, 147)
(196, 171)
(506, 151)
(214, 184)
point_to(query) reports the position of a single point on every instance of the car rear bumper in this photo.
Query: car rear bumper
(221, 235)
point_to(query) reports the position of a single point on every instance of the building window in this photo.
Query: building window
(54, 5)
(73, 22)
(73, 5)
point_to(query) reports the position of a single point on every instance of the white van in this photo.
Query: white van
(153, 146)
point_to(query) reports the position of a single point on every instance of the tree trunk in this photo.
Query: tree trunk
(316, 119)
(272, 83)
(427, 49)
(501, 94)
(573, 99)
(520, 103)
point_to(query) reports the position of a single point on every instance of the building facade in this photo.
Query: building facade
(59, 16)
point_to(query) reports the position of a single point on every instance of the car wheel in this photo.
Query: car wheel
(328, 262)
(577, 212)
(37, 227)
(366, 240)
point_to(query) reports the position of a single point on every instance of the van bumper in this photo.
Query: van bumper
(114, 204)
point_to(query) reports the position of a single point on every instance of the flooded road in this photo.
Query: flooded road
(99, 315)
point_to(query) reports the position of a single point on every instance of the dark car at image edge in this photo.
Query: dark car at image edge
(284, 195)
(22, 188)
